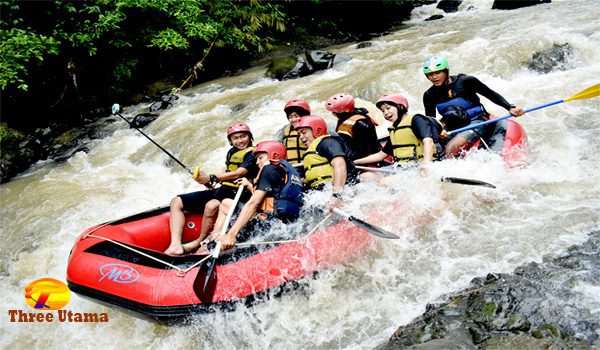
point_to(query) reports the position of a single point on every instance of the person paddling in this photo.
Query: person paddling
(327, 159)
(240, 162)
(294, 110)
(354, 125)
(456, 99)
(413, 138)
(276, 194)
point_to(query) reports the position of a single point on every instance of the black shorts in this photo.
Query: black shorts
(195, 201)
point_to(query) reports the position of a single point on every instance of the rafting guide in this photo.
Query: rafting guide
(45, 295)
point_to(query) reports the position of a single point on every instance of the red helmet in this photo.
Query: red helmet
(238, 127)
(396, 99)
(274, 149)
(295, 104)
(315, 123)
(340, 103)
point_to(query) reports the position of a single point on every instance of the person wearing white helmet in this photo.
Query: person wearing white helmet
(456, 99)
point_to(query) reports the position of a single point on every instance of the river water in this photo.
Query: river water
(450, 233)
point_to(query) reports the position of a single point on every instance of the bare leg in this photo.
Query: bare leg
(176, 222)
(455, 145)
(209, 216)
(223, 211)
(368, 176)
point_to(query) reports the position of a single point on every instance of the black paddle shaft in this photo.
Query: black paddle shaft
(156, 144)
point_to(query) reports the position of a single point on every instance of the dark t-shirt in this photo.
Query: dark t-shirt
(271, 180)
(334, 146)
(464, 86)
(364, 137)
(422, 127)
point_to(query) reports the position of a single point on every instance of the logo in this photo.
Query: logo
(118, 273)
(47, 294)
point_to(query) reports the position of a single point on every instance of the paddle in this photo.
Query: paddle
(372, 229)
(115, 111)
(590, 92)
(455, 180)
(215, 247)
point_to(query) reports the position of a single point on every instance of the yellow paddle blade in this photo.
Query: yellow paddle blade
(590, 92)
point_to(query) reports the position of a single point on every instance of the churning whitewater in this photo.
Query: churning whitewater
(449, 233)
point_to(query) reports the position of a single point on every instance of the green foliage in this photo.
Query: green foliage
(18, 50)
(9, 137)
(30, 31)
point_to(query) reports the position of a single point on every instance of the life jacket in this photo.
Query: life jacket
(473, 110)
(287, 203)
(317, 169)
(295, 148)
(405, 144)
(233, 161)
(346, 126)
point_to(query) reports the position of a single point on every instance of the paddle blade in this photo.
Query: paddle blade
(469, 182)
(210, 267)
(590, 92)
(374, 230)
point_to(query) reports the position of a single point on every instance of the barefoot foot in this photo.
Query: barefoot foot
(174, 250)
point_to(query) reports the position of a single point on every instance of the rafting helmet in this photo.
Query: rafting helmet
(297, 105)
(238, 127)
(340, 103)
(394, 99)
(315, 123)
(435, 64)
(274, 149)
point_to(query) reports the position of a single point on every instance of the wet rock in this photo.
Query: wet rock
(536, 307)
(291, 67)
(364, 44)
(434, 17)
(162, 102)
(238, 107)
(449, 6)
(515, 4)
(555, 58)
(143, 119)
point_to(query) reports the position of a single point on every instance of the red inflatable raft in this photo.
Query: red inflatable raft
(122, 263)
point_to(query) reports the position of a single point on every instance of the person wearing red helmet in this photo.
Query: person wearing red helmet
(413, 138)
(239, 162)
(276, 193)
(294, 110)
(354, 125)
(456, 96)
(327, 159)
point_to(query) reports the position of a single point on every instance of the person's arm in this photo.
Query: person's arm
(424, 130)
(373, 158)
(232, 175)
(428, 104)
(248, 211)
(493, 96)
(340, 173)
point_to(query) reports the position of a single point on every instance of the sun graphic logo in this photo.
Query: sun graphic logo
(47, 294)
